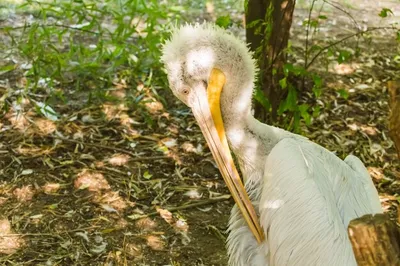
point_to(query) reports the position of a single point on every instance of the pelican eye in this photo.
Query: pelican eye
(185, 91)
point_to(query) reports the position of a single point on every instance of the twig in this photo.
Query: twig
(338, 7)
(49, 25)
(307, 33)
(57, 234)
(344, 39)
(184, 207)
(135, 159)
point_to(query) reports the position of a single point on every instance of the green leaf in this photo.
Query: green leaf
(314, 24)
(223, 21)
(343, 93)
(384, 12)
(317, 91)
(147, 175)
(316, 111)
(397, 59)
(296, 70)
(304, 113)
(296, 122)
(322, 17)
(260, 97)
(291, 99)
(343, 56)
(317, 88)
(177, 8)
(330, 52)
(6, 68)
(53, 206)
(283, 83)
(317, 80)
(254, 23)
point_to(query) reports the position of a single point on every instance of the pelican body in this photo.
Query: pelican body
(298, 198)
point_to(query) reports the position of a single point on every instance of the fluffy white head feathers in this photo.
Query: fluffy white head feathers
(193, 50)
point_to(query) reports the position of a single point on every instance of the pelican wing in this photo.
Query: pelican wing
(308, 198)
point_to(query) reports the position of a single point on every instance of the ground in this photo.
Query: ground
(103, 187)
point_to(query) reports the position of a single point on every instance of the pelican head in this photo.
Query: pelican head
(210, 70)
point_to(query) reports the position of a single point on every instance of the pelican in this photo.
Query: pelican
(298, 198)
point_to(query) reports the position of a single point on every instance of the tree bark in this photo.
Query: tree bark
(375, 240)
(273, 39)
(394, 117)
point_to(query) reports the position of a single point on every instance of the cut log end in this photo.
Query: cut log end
(375, 240)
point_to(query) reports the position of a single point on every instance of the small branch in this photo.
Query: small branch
(306, 50)
(56, 234)
(344, 39)
(307, 31)
(49, 25)
(338, 7)
(184, 207)
(134, 159)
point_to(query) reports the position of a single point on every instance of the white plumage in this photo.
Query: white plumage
(305, 196)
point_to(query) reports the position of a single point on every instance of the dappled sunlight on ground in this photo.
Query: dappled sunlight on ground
(345, 69)
(369, 130)
(9, 242)
(113, 111)
(119, 159)
(173, 129)
(92, 181)
(179, 224)
(3, 200)
(146, 224)
(51, 188)
(376, 173)
(189, 148)
(24, 193)
(111, 201)
(72, 128)
(119, 112)
(155, 242)
(99, 164)
(387, 201)
(120, 94)
(19, 120)
(133, 250)
(126, 120)
(153, 106)
(44, 126)
(33, 151)
(121, 223)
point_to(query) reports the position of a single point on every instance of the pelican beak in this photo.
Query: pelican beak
(208, 115)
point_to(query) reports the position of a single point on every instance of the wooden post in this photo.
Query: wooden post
(394, 118)
(375, 240)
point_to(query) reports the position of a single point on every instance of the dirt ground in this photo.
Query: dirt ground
(103, 187)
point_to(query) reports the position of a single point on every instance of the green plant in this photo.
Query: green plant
(87, 45)
(298, 79)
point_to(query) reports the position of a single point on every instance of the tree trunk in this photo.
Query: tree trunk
(375, 240)
(394, 118)
(272, 37)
